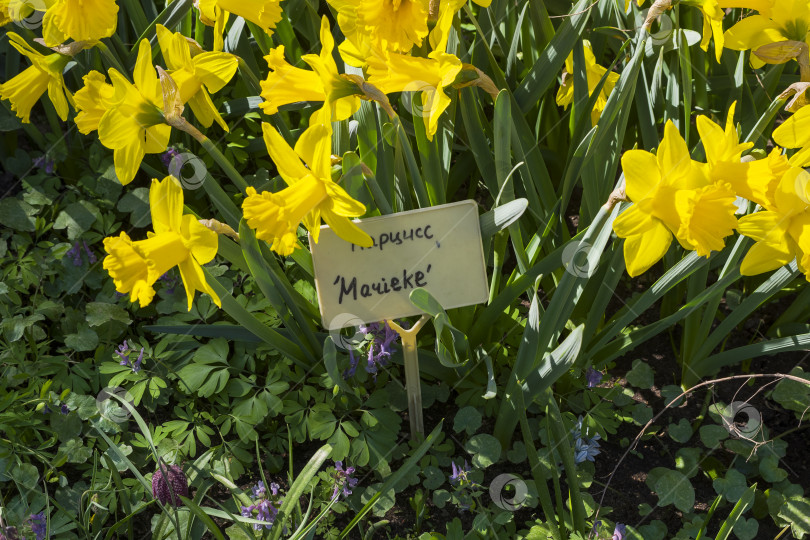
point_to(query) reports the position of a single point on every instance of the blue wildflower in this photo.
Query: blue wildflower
(585, 449)
(343, 480)
(259, 489)
(267, 512)
(350, 371)
(75, 254)
(593, 377)
(136, 367)
(91, 258)
(122, 351)
(39, 525)
(459, 475)
(168, 155)
(619, 532)
(65, 410)
(43, 162)
(170, 281)
(382, 345)
(46, 409)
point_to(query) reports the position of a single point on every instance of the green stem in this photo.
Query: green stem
(222, 161)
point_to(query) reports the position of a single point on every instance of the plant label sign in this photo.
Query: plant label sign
(438, 249)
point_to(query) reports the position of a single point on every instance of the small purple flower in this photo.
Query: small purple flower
(382, 345)
(46, 409)
(274, 489)
(593, 377)
(122, 351)
(459, 475)
(267, 512)
(91, 258)
(619, 532)
(168, 155)
(39, 525)
(170, 282)
(75, 254)
(259, 490)
(343, 480)
(65, 410)
(169, 486)
(136, 367)
(43, 162)
(350, 371)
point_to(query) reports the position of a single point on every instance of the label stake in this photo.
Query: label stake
(412, 380)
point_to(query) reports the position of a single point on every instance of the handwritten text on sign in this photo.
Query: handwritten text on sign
(438, 249)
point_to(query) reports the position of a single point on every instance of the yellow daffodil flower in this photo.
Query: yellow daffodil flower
(782, 231)
(430, 76)
(178, 240)
(775, 35)
(132, 124)
(672, 196)
(196, 73)
(752, 180)
(311, 194)
(213, 15)
(565, 95)
(795, 133)
(384, 25)
(287, 84)
(79, 20)
(263, 13)
(394, 25)
(45, 74)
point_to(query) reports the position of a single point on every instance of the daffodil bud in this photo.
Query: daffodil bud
(172, 104)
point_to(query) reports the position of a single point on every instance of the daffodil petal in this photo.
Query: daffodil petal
(202, 241)
(641, 174)
(194, 280)
(764, 257)
(642, 251)
(166, 204)
(287, 161)
(347, 230)
(314, 147)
